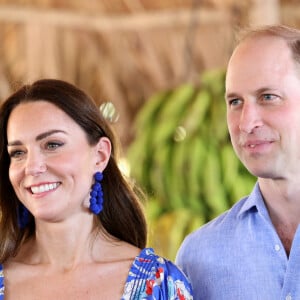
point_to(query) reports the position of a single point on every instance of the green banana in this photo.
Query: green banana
(196, 111)
(230, 166)
(167, 118)
(183, 158)
(196, 170)
(215, 196)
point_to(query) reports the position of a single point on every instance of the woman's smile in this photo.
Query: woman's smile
(44, 187)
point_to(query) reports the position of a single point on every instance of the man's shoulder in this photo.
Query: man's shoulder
(218, 228)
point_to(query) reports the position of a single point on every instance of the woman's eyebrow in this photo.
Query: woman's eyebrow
(38, 138)
(47, 133)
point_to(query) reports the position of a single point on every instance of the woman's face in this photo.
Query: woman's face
(52, 164)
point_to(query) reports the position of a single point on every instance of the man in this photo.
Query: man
(253, 250)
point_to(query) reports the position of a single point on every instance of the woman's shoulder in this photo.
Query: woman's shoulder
(148, 256)
(157, 276)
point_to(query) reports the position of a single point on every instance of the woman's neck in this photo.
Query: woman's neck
(63, 244)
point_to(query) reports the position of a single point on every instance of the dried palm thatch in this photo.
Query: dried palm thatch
(117, 50)
(122, 59)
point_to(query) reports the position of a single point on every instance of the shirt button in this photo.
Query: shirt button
(277, 248)
(288, 297)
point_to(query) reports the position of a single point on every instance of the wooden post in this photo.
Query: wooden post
(264, 12)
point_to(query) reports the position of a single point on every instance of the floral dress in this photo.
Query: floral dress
(151, 277)
(1, 283)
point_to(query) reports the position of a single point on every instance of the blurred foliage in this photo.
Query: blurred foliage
(183, 158)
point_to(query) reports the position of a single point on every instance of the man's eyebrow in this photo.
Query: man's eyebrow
(230, 95)
(264, 89)
(38, 138)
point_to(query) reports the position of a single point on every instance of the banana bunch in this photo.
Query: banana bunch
(183, 158)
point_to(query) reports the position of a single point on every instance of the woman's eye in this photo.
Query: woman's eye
(53, 145)
(16, 153)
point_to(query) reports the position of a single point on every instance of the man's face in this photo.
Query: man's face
(263, 107)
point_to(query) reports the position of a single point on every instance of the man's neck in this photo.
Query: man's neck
(283, 204)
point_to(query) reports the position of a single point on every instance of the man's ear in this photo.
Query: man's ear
(103, 152)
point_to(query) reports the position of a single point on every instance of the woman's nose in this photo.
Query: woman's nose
(35, 163)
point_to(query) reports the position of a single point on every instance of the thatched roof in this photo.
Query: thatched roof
(118, 50)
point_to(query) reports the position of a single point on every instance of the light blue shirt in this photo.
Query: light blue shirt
(239, 256)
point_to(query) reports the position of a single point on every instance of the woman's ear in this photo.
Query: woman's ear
(103, 152)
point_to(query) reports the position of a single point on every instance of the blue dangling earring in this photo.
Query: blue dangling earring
(96, 199)
(23, 216)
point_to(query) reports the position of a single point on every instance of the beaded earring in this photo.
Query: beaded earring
(96, 199)
(23, 216)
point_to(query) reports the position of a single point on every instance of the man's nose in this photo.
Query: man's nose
(250, 118)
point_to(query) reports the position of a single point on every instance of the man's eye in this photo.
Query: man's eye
(269, 97)
(234, 102)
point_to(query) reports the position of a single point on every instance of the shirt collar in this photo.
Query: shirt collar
(254, 202)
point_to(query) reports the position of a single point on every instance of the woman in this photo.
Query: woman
(71, 226)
